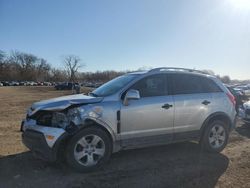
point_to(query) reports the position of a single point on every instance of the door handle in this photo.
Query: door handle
(205, 102)
(167, 106)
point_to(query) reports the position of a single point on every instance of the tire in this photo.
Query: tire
(215, 136)
(88, 149)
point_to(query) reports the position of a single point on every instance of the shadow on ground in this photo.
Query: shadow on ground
(244, 130)
(176, 165)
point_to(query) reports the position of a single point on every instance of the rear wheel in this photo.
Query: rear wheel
(88, 149)
(215, 137)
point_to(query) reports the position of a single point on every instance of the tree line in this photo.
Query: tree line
(20, 66)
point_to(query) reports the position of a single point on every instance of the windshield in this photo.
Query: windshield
(113, 86)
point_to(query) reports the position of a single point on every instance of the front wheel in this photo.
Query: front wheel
(88, 149)
(215, 137)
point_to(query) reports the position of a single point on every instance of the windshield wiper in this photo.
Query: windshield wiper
(93, 94)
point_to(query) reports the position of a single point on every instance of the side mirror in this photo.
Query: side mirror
(132, 94)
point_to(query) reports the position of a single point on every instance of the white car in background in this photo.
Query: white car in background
(1, 84)
(244, 112)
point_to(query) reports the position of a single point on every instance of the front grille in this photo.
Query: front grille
(248, 111)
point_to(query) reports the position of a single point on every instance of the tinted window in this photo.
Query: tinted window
(211, 86)
(190, 84)
(151, 86)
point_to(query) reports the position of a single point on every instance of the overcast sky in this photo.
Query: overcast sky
(129, 34)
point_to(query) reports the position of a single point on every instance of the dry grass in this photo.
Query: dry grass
(14, 102)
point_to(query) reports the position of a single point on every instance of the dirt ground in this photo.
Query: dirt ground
(175, 165)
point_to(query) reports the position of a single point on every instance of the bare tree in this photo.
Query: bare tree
(225, 79)
(72, 64)
(2, 65)
(58, 75)
(42, 70)
(2, 55)
(209, 72)
(144, 68)
(25, 65)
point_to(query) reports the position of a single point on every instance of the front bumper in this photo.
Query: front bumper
(43, 141)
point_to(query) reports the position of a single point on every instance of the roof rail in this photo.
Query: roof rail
(176, 69)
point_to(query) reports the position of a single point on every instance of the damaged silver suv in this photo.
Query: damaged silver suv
(139, 109)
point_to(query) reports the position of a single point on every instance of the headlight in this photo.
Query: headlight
(73, 113)
(76, 115)
(59, 120)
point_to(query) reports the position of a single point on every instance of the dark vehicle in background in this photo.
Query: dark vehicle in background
(22, 83)
(5, 83)
(92, 84)
(64, 86)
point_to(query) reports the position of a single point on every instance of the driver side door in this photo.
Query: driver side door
(148, 120)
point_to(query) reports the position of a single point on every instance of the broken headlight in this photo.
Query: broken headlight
(59, 120)
(76, 115)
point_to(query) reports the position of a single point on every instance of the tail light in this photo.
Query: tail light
(231, 98)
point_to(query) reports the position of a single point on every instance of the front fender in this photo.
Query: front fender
(103, 124)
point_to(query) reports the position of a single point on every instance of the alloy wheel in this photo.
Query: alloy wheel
(217, 136)
(89, 150)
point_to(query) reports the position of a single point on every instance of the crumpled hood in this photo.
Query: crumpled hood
(61, 103)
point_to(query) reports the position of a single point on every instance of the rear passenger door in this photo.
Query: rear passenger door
(193, 101)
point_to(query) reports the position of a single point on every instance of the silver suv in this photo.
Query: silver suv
(139, 109)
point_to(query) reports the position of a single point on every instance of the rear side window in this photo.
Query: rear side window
(211, 86)
(151, 86)
(192, 84)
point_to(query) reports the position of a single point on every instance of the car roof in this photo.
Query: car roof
(173, 70)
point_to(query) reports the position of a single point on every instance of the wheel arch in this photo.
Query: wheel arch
(222, 116)
(101, 125)
(89, 122)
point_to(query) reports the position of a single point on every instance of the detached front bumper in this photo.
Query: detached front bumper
(43, 141)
